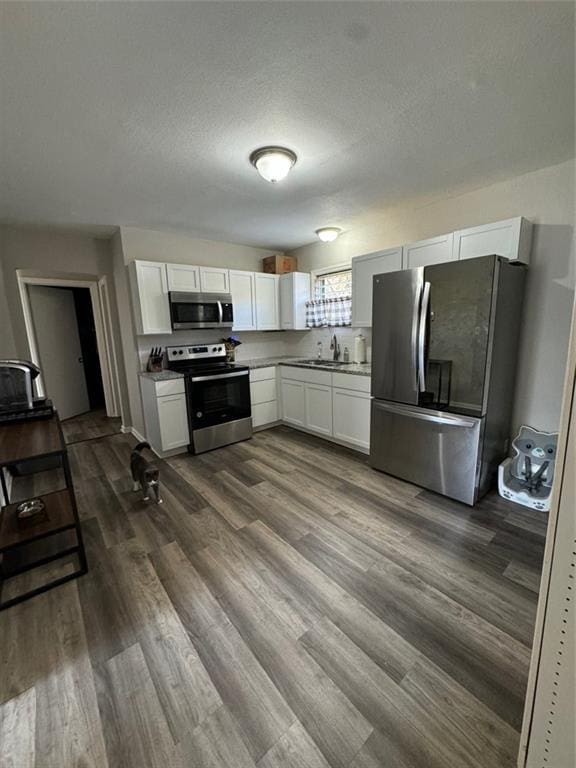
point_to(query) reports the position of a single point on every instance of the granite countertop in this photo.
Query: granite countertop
(266, 362)
(164, 375)
(359, 369)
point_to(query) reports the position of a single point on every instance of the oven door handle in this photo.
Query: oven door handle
(219, 376)
(220, 312)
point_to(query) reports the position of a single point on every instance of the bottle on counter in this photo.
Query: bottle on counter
(360, 349)
(346, 355)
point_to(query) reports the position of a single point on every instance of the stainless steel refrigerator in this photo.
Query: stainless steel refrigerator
(444, 348)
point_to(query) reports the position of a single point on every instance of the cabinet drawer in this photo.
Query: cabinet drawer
(308, 375)
(261, 374)
(262, 391)
(350, 381)
(170, 387)
(264, 413)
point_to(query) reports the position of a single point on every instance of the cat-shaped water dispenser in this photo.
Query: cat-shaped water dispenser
(527, 477)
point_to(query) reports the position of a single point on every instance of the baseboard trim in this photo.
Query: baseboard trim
(131, 431)
(329, 438)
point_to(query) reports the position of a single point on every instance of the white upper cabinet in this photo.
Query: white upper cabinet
(149, 286)
(243, 290)
(363, 270)
(214, 280)
(294, 293)
(435, 250)
(182, 277)
(511, 238)
(267, 301)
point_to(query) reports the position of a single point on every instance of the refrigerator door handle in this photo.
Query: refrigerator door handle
(422, 337)
(415, 332)
(448, 419)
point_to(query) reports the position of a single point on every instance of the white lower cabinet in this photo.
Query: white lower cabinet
(351, 417)
(318, 408)
(333, 405)
(165, 415)
(264, 414)
(173, 421)
(263, 396)
(293, 403)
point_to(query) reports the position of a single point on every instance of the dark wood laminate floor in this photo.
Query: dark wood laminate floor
(286, 607)
(90, 425)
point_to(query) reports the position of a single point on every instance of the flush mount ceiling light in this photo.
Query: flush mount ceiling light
(273, 163)
(328, 234)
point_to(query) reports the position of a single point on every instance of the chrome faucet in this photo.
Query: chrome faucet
(335, 347)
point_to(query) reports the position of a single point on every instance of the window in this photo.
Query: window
(331, 305)
(333, 285)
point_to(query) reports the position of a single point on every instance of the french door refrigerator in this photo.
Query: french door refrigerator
(444, 348)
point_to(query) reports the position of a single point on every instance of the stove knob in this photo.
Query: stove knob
(214, 349)
(199, 414)
(180, 352)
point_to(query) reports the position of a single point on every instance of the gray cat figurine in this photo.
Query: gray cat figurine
(145, 475)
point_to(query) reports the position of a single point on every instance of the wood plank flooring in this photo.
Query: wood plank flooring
(88, 426)
(285, 607)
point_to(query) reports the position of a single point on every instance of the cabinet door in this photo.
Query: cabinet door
(243, 293)
(267, 302)
(152, 297)
(510, 238)
(351, 417)
(287, 301)
(363, 270)
(173, 420)
(319, 408)
(436, 250)
(214, 280)
(182, 277)
(264, 413)
(293, 405)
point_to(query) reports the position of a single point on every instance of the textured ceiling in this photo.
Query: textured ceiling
(144, 114)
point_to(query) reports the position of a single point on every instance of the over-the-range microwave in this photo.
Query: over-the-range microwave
(200, 310)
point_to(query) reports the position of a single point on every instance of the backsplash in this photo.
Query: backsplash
(305, 343)
(262, 343)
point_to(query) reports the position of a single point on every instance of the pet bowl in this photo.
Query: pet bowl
(30, 511)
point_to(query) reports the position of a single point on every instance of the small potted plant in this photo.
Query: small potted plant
(231, 343)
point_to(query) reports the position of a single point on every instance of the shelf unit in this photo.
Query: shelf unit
(19, 444)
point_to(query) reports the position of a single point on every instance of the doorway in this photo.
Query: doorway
(70, 336)
(66, 338)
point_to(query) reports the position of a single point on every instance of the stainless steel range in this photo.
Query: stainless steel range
(217, 395)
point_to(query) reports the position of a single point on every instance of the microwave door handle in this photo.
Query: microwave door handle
(220, 313)
(422, 337)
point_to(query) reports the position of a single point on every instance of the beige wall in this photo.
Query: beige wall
(7, 344)
(151, 245)
(53, 253)
(545, 197)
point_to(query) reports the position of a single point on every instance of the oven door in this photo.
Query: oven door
(217, 398)
(200, 310)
